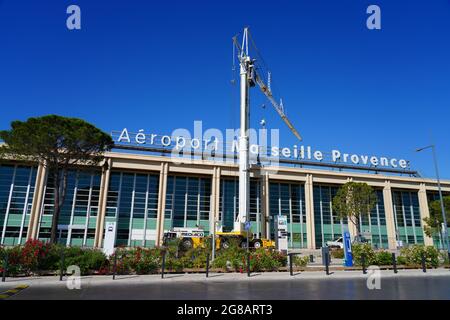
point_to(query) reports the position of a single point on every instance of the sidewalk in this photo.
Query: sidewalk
(222, 277)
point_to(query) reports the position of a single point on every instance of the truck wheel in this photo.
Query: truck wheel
(186, 244)
(224, 244)
(257, 244)
(243, 244)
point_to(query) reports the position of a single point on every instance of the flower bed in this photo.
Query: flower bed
(36, 257)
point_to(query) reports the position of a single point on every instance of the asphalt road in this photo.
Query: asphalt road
(277, 286)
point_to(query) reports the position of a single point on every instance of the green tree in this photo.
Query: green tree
(353, 201)
(58, 143)
(433, 223)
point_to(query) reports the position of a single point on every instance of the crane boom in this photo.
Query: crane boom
(265, 88)
(249, 77)
(266, 91)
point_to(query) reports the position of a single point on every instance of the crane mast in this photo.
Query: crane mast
(249, 77)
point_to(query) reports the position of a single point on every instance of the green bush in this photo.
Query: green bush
(337, 253)
(88, 260)
(401, 261)
(266, 260)
(360, 249)
(299, 261)
(15, 266)
(262, 259)
(383, 258)
(413, 255)
(444, 257)
(197, 258)
(138, 260)
(232, 258)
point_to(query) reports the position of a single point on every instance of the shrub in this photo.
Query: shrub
(36, 255)
(299, 261)
(360, 249)
(383, 258)
(146, 260)
(14, 261)
(401, 260)
(88, 260)
(266, 260)
(197, 258)
(413, 255)
(138, 260)
(444, 257)
(232, 258)
(337, 253)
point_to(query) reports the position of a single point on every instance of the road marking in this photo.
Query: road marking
(11, 292)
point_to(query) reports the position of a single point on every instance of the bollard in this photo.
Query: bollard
(424, 265)
(207, 265)
(363, 263)
(290, 263)
(115, 266)
(163, 264)
(311, 258)
(248, 264)
(5, 267)
(61, 269)
(394, 262)
(327, 264)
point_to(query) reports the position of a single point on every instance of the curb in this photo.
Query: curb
(5, 295)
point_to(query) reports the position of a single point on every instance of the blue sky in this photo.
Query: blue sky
(160, 65)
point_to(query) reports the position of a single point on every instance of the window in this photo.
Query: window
(80, 205)
(289, 199)
(188, 200)
(132, 200)
(408, 223)
(16, 196)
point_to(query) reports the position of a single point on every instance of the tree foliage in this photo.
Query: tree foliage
(353, 201)
(433, 223)
(58, 143)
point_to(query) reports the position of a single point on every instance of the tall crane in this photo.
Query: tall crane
(250, 77)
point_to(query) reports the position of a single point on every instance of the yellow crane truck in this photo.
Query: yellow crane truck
(195, 237)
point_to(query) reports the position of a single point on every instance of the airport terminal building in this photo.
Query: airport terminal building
(147, 193)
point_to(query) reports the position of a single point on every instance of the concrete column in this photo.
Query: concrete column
(212, 211)
(389, 212)
(161, 203)
(424, 211)
(215, 198)
(309, 207)
(265, 201)
(36, 206)
(103, 198)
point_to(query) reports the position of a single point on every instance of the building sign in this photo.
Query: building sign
(213, 145)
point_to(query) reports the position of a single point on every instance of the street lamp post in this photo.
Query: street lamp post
(444, 217)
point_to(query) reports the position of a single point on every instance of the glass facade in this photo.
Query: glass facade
(188, 202)
(229, 204)
(437, 237)
(132, 203)
(327, 225)
(373, 226)
(408, 222)
(78, 215)
(17, 185)
(288, 199)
